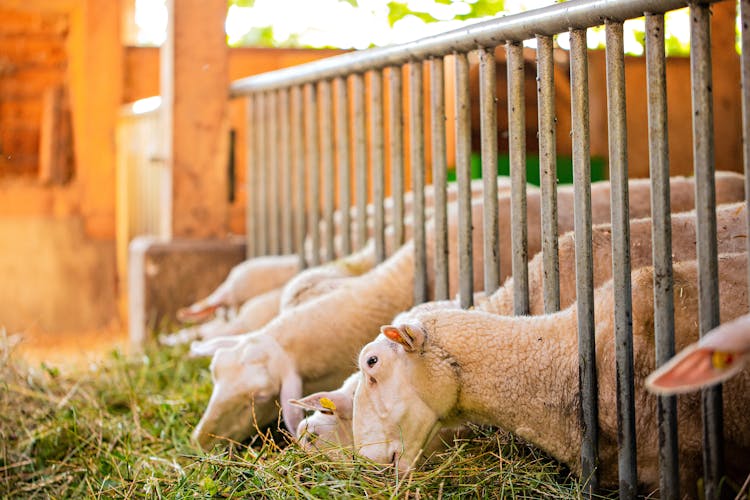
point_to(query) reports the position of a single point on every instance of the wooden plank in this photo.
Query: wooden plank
(55, 147)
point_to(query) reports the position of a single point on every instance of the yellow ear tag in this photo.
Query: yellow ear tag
(721, 360)
(327, 404)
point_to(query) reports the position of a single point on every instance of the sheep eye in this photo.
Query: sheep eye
(371, 361)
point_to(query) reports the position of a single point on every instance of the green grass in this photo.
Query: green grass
(122, 429)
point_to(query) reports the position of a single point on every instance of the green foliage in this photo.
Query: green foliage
(257, 37)
(123, 430)
(672, 45)
(399, 10)
(242, 3)
(477, 8)
(483, 8)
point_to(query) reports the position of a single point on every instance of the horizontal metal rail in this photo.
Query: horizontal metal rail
(550, 20)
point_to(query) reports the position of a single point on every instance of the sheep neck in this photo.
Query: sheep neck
(518, 373)
(324, 336)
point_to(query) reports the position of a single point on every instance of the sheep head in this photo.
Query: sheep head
(330, 426)
(717, 356)
(249, 379)
(406, 387)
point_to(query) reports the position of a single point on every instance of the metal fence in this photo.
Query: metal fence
(299, 133)
(144, 181)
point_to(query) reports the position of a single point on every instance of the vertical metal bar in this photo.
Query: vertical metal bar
(517, 153)
(579, 107)
(705, 206)
(251, 214)
(618, 173)
(416, 156)
(661, 234)
(287, 232)
(272, 166)
(360, 158)
(745, 65)
(548, 172)
(313, 170)
(342, 146)
(463, 175)
(231, 170)
(262, 175)
(297, 132)
(488, 127)
(376, 160)
(396, 121)
(329, 175)
(439, 176)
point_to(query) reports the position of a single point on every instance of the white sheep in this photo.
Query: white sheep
(259, 310)
(345, 319)
(255, 276)
(245, 281)
(451, 194)
(330, 426)
(731, 227)
(273, 363)
(325, 278)
(306, 286)
(443, 368)
(731, 223)
(729, 189)
(253, 314)
(717, 356)
(312, 282)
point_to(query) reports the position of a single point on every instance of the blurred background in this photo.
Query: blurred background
(115, 123)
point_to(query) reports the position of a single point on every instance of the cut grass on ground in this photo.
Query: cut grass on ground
(122, 430)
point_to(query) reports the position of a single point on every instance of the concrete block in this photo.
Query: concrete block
(165, 276)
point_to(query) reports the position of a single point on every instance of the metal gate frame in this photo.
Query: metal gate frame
(287, 107)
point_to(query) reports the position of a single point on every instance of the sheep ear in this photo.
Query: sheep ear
(695, 367)
(409, 336)
(207, 348)
(196, 313)
(329, 403)
(291, 389)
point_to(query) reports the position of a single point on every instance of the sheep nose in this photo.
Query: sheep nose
(402, 466)
(307, 441)
(203, 439)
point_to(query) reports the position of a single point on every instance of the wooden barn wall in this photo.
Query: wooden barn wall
(33, 60)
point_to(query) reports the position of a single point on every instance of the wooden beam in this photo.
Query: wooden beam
(95, 68)
(194, 89)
